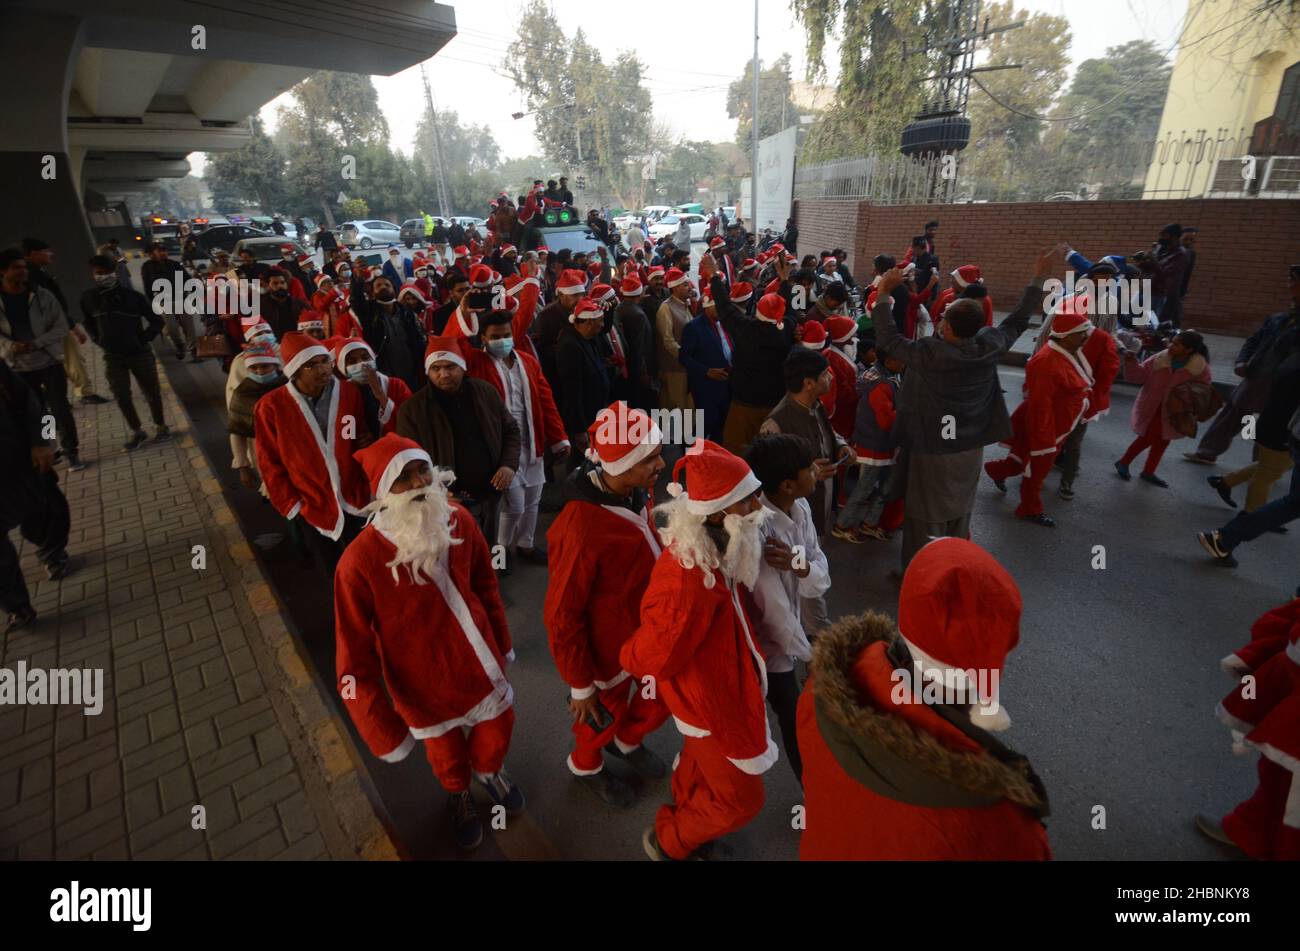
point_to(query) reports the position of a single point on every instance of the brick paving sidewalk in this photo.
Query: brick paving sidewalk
(200, 706)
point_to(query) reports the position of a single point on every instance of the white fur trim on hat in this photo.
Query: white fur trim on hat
(261, 358)
(450, 356)
(742, 489)
(681, 280)
(353, 345)
(988, 713)
(302, 356)
(636, 454)
(395, 467)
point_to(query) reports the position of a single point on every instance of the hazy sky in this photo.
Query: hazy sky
(693, 50)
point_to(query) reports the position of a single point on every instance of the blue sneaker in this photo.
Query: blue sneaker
(503, 792)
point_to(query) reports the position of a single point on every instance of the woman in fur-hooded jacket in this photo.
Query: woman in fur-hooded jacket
(897, 770)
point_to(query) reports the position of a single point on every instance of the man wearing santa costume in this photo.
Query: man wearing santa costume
(518, 379)
(962, 278)
(421, 634)
(306, 434)
(525, 290)
(842, 401)
(1102, 356)
(1058, 380)
(384, 395)
(696, 646)
(1263, 712)
(895, 724)
(603, 547)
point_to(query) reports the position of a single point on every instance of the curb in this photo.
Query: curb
(335, 761)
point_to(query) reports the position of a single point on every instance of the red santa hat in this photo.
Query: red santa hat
(297, 348)
(385, 458)
(631, 286)
(706, 297)
(601, 293)
(771, 307)
(342, 346)
(508, 249)
(621, 437)
(741, 291)
(409, 287)
(656, 271)
(261, 351)
(717, 478)
(674, 277)
(831, 261)
(966, 275)
(322, 279)
(255, 327)
(841, 329)
(571, 282)
(716, 243)
(587, 309)
(304, 260)
(814, 335)
(959, 610)
(442, 349)
(310, 320)
(776, 248)
(1070, 317)
(480, 276)
(773, 286)
(460, 252)
(593, 268)
(749, 264)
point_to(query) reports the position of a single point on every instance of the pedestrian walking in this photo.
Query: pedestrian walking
(1186, 360)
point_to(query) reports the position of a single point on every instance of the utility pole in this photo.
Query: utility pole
(444, 206)
(753, 181)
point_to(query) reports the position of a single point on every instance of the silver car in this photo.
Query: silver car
(367, 234)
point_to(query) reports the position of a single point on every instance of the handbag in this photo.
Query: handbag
(214, 345)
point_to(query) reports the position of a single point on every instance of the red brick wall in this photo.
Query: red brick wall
(1242, 251)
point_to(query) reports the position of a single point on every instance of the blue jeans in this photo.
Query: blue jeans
(1246, 526)
(867, 500)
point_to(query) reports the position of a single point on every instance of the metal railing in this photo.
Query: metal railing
(1188, 164)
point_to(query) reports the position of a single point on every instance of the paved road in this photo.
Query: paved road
(1111, 691)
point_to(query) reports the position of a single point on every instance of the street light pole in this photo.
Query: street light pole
(753, 180)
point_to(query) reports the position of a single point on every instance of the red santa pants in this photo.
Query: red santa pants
(1257, 826)
(483, 750)
(1031, 486)
(711, 797)
(1153, 440)
(635, 718)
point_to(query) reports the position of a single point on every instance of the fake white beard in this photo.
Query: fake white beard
(685, 533)
(418, 523)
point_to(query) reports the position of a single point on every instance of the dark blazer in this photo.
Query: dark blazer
(584, 382)
(702, 351)
(422, 419)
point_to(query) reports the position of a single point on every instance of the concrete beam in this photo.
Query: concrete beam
(232, 91)
(117, 82)
(119, 167)
(176, 133)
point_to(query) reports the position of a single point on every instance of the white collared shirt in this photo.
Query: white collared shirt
(777, 623)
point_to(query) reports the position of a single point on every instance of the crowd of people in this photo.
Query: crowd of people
(404, 418)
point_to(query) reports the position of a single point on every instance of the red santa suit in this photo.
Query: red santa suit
(885, 776)
(396, 390)
(697, 643)
(963, 277)
(843, 406)
(1264, 715)
(590, 610)
(526, 292)
(1057, 384)
(306, 473)
(1103, 357)
(426, 658)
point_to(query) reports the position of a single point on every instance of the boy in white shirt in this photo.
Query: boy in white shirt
(793, 568)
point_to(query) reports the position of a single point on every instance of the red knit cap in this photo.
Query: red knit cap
(385, 458)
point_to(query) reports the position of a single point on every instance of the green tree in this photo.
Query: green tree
(777, 111)
(355, 208)
(251, 175)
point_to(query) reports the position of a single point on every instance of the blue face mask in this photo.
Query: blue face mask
(269, 376)
(502, 347)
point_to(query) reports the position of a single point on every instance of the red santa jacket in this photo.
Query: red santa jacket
(544, 420)
(528, 292)
(698, 645)
(305, 473)
(398, 393)
(600, 558)
(1057, 385)
(426, 658)
(1103, 359)
(948, 295)
(847, 708)
(841, 401)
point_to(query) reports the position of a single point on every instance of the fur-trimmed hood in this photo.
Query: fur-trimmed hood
(879, 748)
(1194, 366)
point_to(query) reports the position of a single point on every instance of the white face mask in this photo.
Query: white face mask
(850, 349)
(106, 281)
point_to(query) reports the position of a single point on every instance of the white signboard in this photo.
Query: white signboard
(775, 192)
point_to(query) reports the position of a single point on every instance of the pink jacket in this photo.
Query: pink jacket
(1158, 378)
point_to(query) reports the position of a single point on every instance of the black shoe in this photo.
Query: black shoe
(1224, 490)
(650, 842)
(21, 618)
(1154, 479)
(509, 568)
(57, 568)
(1212, 543)
(503, 792)
(180, 353)
(1000, 485)
(609, 789)
(534, 556)
(94, 399)
(162, 435)
(641, 759)
(1121, 469)
(1278, 530)
(1066, 490)
(466, 827)
(137, 440)
(74, 462)
(1042, 518)
(715, 851)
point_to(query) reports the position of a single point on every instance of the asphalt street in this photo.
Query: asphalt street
(1111, 691)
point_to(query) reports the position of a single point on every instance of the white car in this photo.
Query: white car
(667, 226)
(367, 234)
(651, 213)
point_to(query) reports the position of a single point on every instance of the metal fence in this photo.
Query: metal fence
(1189, 164)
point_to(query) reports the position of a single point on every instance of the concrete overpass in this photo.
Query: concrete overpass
(112, 94)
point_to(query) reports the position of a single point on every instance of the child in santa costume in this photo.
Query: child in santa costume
(422, 639)
(1058, 380)
(1263, 712)
(306, 437)
(697, 644)
(894, 724)
(383, 394)
(842, 401)
(603, 547)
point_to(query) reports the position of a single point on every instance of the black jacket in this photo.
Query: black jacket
(152, 271)
(325, 240)
(20, 428)
(282, 315)
(584, 382)
(374, 329)
(759, 349)
(120, 320)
